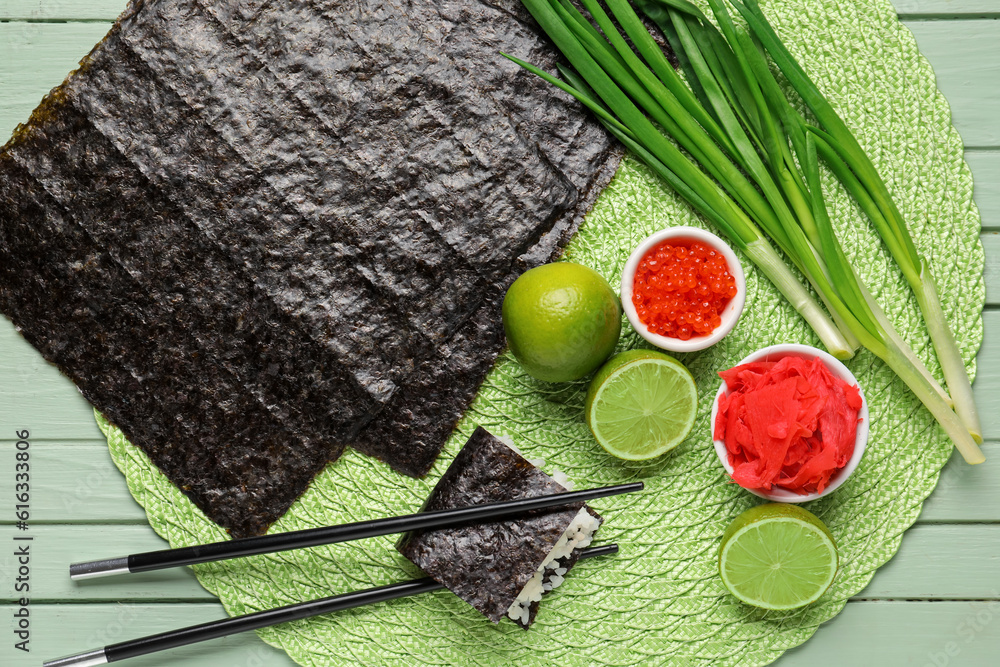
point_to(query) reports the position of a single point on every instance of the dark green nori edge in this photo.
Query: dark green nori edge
(253, 234)
(487, 564)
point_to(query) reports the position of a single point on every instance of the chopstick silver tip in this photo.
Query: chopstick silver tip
(99, 568)
(88, 659)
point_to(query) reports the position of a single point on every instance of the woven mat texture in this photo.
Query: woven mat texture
(660, 601)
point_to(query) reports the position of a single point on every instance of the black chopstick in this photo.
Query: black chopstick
(263, 619)
(205, 553)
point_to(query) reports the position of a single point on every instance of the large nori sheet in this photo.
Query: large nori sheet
(254, 233)
(487, 564)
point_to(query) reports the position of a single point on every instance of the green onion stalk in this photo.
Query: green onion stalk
(734, 148)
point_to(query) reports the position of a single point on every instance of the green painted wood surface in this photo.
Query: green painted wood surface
(64, 629)
(985, 166)
(945, 8)
(73, 482)
(936, 603)
(61, 10)
(965, 56)
(65, 543)
(921, 630)
(892, 634)
(37, 396)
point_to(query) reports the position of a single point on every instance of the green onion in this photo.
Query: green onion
(565, 31)
(738, 152)
(873, 195)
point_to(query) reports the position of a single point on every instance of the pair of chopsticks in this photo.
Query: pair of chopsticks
(158, 560)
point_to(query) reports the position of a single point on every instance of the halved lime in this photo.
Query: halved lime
(641, 404)
(777, 556)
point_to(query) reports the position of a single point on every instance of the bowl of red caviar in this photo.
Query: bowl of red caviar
(807, 426)
(683, 289)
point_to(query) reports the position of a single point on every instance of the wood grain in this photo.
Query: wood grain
(38, 397)
(897, 632)
(991, 272)
(966, 59)
(44, 54)
(63, 544)
(937, 562)
(985, 166)
(892, 634)
(986, 388)
(74, 483)
(62, 629)
(966, 493)
(61, 10)
(945, 8)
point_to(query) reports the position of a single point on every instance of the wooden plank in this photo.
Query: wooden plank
(991, 272)
(46, 52)
(37, 396)
(985, 166)
(986, 388)
(966, 59)
(921, 634)
(964, 492)
(75, 482)
(34, 58)
(66, 10)
(945, 8)
(936, 562)
(53, 548)
(58, 630)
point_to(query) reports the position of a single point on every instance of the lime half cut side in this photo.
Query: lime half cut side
(641, 404)
(778, 556)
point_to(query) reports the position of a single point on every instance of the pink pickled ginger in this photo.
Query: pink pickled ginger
(789, 424)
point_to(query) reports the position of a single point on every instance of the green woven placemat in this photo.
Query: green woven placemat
(660, 600)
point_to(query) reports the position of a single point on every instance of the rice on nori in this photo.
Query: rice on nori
(502, 568)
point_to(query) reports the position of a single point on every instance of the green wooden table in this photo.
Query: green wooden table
(936, 603)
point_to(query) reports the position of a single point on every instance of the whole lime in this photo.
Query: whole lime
(562, 321)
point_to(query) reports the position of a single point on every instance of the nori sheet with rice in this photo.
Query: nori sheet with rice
(253, 233)
(488, 564)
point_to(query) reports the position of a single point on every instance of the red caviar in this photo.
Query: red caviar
(681, 288)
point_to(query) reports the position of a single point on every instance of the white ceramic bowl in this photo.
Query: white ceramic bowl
(729, 315)
(774, 353)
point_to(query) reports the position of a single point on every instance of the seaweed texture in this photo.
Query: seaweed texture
(487, 564)
(255, 233)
